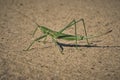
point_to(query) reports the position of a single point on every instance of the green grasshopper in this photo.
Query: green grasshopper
(55, 35)
(60, 35)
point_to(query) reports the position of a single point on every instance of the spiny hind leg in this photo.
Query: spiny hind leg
(73, 22)
(69, 25)
(85, 31)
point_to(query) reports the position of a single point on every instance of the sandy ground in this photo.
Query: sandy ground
(44, 61)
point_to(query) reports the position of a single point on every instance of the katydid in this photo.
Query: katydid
(55, 35)
(60, 35)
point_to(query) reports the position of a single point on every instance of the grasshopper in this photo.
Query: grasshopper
(55, 35)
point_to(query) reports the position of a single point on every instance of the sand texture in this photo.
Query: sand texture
(44, 61)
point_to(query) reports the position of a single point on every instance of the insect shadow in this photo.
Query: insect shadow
(87, 46)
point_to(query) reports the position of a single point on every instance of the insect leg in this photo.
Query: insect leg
(38, 26)
(73, 22)
(84, 29)
(37, 39)
(69, 25)
(34, 31)
(57, 44)
(44, 41)
(76, 34)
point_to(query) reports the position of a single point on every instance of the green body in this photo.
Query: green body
(59, 35)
